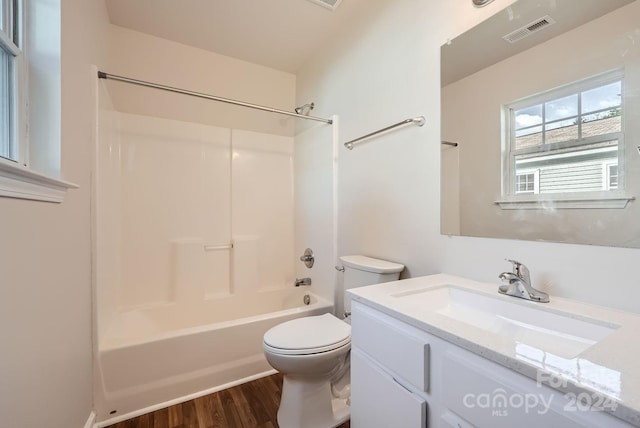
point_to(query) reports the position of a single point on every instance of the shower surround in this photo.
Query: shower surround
(194, 257)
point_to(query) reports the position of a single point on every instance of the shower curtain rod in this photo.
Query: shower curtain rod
(103, 75)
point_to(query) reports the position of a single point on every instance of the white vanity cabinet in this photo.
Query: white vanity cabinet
(389, 373)
(379, 400)
(404, 377)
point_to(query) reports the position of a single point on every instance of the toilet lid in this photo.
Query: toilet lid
(308, 335)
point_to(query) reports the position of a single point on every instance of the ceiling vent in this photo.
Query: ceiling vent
(329, 4)
(529, 29)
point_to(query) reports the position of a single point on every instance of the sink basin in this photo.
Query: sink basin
(524, 322)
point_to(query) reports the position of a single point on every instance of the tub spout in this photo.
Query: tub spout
(303, 281)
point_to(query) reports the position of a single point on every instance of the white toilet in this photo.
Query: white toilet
(313, 354)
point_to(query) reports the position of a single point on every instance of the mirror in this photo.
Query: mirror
(541, 124)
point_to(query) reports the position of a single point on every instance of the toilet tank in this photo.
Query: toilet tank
(362, 270)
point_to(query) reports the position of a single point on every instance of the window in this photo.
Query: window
(10, 67)
(527, 182)
(30, 153)
(567, 140)
(611, 176)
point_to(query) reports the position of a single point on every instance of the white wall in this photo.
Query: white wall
(386, 68)
(376, 74)
(144, 57)
(45, 310)
(315, 208)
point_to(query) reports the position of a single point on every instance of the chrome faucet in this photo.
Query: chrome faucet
(518, 284)
(303, 281)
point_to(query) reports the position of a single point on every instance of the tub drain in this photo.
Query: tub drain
(306, 299)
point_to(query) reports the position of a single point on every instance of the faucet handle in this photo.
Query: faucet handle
(516, 264)
(519, 269)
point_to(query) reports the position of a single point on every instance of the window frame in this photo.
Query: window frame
(25, 177)
(12, 41)
(536, 181)
(606, 174)
(510, 199)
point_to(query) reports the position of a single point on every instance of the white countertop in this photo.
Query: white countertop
(609, 371)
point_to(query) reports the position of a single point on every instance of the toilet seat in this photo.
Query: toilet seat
(309, 335)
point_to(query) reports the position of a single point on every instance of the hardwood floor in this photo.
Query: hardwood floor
(250, 405)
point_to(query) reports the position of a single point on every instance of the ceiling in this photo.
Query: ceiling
(280, 34)
(483, 45)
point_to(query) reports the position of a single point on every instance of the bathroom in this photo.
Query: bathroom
(380, 68)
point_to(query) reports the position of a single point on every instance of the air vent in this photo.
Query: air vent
(529, 29)
(329, 4)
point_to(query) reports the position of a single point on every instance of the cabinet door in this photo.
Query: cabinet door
(394, 345)
(378, 401)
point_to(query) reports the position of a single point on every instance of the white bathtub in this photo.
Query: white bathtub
(156, 356)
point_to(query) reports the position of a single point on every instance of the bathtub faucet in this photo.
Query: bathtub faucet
(303, 281)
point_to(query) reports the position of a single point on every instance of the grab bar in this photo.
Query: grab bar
(218, 247)
(420, 120)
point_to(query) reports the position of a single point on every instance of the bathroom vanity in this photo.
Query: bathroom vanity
(443, 351)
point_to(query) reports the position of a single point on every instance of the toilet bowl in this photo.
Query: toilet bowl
(312, 353)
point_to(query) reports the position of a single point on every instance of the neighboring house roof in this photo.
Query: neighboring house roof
(567, 133)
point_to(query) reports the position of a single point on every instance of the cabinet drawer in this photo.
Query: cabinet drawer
(378, 401)
(392, 344)
(495, 397)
